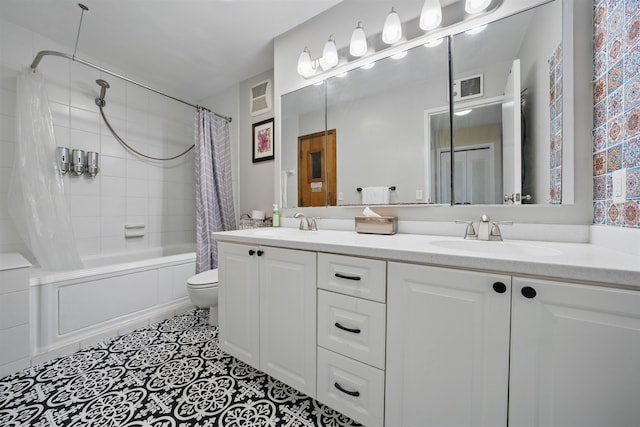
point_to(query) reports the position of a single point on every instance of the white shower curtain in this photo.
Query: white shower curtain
(37, 203)
(214, 192)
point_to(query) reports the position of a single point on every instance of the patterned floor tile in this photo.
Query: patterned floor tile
(172, 374)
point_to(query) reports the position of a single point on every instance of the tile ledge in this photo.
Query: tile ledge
(621, 239)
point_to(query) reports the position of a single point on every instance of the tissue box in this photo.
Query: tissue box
(377, 224)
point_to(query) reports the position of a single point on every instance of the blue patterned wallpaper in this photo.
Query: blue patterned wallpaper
(616, 109)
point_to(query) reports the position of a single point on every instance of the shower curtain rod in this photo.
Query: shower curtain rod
(74, 58)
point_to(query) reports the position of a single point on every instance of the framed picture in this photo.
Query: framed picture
(263, 141)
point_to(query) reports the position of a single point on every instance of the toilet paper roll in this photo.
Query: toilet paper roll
(257, 214)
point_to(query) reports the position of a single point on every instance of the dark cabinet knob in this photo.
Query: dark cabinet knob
(500, 287)
(260, 253)
(251, 252)
(528, 292)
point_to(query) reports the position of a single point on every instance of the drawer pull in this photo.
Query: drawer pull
(344, 328)
(528, 292)
(346, 276)
(350, 393)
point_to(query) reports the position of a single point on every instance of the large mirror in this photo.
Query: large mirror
(388, 127)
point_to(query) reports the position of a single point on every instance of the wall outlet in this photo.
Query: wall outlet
(419, 195)
(619, 178)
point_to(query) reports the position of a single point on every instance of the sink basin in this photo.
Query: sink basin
(282, 232)
(496, 248)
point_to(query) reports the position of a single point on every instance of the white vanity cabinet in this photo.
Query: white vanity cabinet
(267, 310)
(351, 336)
(447, 347)
(571, 356)
(575, 355)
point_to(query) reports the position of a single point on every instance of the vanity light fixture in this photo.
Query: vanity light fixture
(305, 66)
(476, 30)
(431, 15)
(358, 46)
(476, 6)
(399, 55)
(434, 43)
(392, 30)
(462, 112)
(330, 53)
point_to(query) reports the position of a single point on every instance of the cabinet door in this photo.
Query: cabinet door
(288, 317)
(238, 302)
(447, 347)
(575, 355)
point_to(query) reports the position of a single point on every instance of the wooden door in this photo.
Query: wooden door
(317, 169)
(447, 347)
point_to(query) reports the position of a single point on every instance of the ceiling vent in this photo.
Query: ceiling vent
(260, 95)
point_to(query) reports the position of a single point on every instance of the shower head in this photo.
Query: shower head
(104, 85)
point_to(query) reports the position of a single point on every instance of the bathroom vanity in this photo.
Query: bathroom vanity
(433, 330)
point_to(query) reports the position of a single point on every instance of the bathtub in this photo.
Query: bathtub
(112, 295)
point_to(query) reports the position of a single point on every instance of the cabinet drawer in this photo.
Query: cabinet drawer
(360, 277)
(353, 388)
(352, 326)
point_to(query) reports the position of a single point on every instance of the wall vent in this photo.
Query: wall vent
(468, 87)
(260, 98)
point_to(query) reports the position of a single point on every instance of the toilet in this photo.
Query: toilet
(203, 292)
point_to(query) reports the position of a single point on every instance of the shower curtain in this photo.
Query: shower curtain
(214, 192)
(37, 203)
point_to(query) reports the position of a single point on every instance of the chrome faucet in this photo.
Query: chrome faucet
(306, 223)
(485, 232)
(483, 227)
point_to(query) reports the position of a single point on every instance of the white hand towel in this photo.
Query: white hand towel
(375, 195)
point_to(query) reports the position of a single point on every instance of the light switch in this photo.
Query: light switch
(340, 196)
(418, 194)
(619, 178)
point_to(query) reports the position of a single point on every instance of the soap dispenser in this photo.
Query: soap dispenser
(275, 216)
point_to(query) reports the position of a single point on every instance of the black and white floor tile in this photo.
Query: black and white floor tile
(172, 374)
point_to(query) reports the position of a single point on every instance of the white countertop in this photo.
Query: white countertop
(580, 262)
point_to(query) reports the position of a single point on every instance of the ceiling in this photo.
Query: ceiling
(189, 48)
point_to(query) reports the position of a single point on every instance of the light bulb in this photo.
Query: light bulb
(392, 30)
(463, 112)
(399, 55)
(358, 46)
(304, 63)
(330, 53)
(368, 66)
(476, 6)
(431, 15)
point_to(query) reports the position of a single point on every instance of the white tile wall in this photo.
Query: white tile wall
(128, 188)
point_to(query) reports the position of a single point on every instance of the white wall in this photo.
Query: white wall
(257, 183)
(127, 189)
(340, 21)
